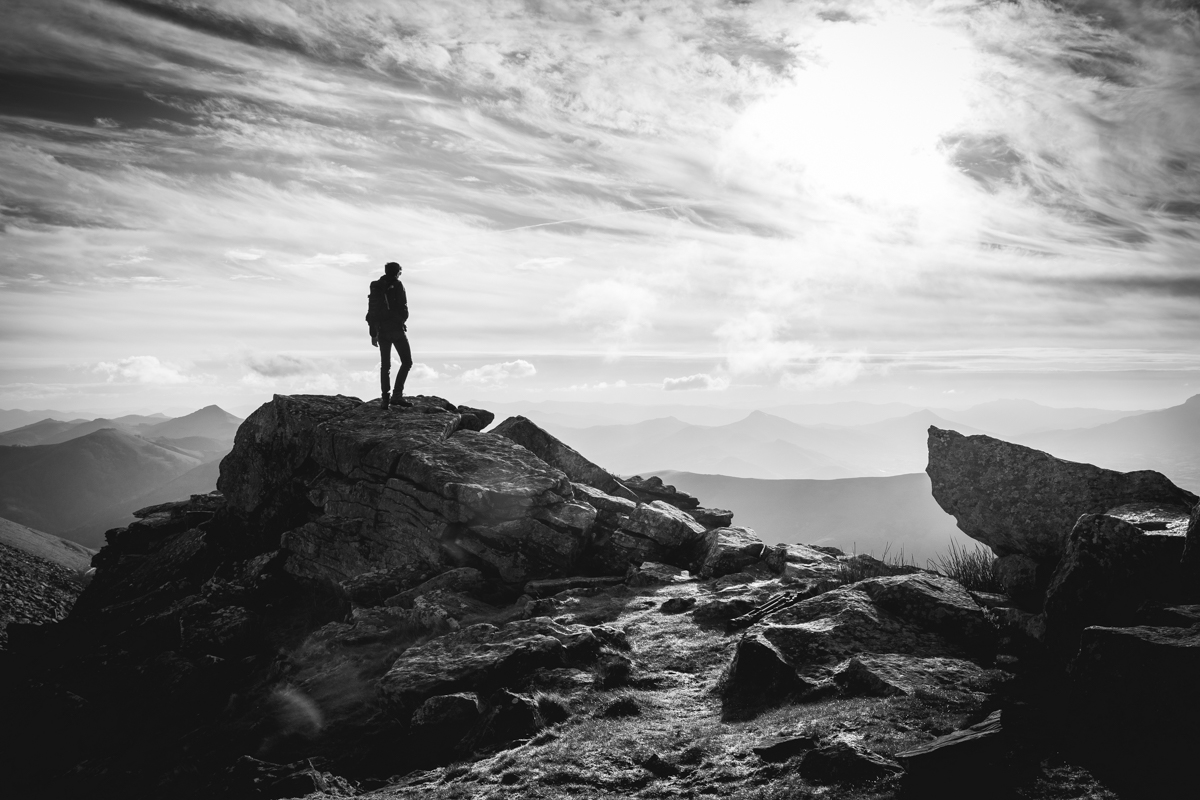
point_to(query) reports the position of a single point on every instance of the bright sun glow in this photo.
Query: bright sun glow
(864, 117)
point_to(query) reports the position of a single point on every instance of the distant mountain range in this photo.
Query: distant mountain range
(77, 478)
(768, 446)
(865, 515)
(1002, 418)
(1167, 441)
(760, 446)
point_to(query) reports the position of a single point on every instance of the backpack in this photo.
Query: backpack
(379, 308)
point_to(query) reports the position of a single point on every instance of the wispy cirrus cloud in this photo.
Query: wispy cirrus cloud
(1007, 175)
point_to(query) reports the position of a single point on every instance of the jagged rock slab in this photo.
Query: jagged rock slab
(557, 454)
(1016, 499)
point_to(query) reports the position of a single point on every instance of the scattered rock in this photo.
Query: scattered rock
(677, 605)
(509, 716)
(712, 517)
(650, 489)
(846, 761)
(625, 706)
(651, 573)
(957, 759)
(1016, 499)
(784, 749)
(733, 549)
(660, 768)
(722, 610)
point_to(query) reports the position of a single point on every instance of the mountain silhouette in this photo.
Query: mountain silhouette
(210, 422)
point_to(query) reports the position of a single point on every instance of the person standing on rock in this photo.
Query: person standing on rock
(387, 315)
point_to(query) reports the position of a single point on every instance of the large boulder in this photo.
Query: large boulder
(1016, 499)
(1109, 570)
(557, 454)
(355, 490)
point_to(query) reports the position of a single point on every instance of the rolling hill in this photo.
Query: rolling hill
(865, 515)
(57, 487)
(43, 545)
(37, 432)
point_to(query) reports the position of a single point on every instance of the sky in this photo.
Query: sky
(700, 201)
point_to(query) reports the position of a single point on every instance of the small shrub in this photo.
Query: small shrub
(971, 568)
(554, 708)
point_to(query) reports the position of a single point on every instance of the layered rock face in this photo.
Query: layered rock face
(423, 490)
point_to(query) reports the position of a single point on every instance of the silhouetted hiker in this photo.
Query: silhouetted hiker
(387, 313)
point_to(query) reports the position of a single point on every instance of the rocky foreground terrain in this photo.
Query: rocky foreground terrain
(398, 605)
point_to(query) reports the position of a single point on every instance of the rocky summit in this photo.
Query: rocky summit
(411, 604)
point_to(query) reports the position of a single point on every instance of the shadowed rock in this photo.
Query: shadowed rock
(1016, 499)
(1110, 568)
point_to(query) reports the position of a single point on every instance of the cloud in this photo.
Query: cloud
(141, 369)
(244, 255)
(826, 370)
(423, 373)
(280, 366)
(617, 310)
(701, 381)
(539, 264)
(495, 374)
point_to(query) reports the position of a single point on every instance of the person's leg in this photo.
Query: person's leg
(406, 362)
(385, 365)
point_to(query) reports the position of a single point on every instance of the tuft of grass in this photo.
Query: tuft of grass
(861, 566)
(971, 568)
(553, 707)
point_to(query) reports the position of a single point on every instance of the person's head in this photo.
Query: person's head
(391, 269)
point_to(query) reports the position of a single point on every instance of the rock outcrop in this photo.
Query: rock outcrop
(403, 604)
(1018, 500)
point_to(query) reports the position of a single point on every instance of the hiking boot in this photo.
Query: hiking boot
(401, 402)
(384, 402)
